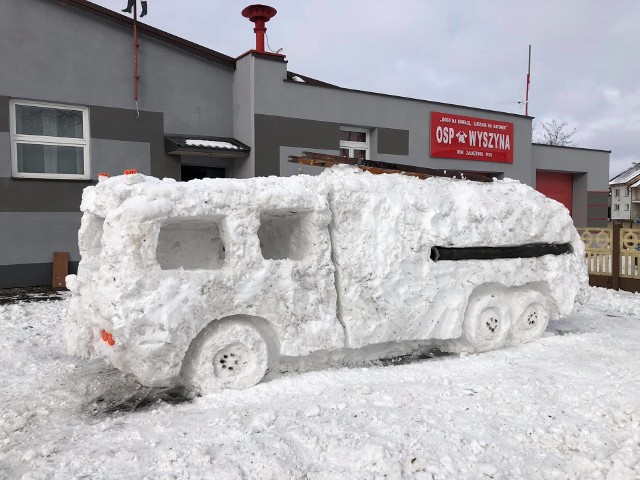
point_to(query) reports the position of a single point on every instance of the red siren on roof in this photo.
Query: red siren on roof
(259, 14)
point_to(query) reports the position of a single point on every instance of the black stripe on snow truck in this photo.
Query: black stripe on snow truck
(529, 250)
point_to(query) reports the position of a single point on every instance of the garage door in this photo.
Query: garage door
(558, 186)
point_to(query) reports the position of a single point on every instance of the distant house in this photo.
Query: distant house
(625, 194)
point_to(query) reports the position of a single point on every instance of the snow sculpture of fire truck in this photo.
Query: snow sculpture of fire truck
(210, 283)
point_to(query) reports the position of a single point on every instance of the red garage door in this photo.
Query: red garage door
(558, 186)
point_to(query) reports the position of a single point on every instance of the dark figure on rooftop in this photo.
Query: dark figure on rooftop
(131, 4)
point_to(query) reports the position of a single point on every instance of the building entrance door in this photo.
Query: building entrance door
(190, 172)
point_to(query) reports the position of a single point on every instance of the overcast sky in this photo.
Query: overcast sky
(585, 65)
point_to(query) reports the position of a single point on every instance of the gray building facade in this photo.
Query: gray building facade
(73, 59)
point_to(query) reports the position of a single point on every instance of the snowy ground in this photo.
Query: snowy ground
(564, 406)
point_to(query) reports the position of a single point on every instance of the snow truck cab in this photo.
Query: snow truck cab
(210, 283)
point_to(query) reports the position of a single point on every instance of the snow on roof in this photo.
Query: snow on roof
(298, 79)
(626, 176)
(637, 184)
(210, 143)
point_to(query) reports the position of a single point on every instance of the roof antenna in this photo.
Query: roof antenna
(526, 101)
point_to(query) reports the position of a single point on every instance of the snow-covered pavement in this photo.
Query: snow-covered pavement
(564, 406)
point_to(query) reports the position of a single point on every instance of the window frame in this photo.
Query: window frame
(351, 146)
(16, 138)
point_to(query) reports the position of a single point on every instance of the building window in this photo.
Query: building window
(616, 207)
(354, 143)
(627, 191)
(626, 208)
(49, 140)
(616, 192)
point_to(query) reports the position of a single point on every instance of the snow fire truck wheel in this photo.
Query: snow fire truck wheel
(229, 354)
(486, 321)
(531, 314)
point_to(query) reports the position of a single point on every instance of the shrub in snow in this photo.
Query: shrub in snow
(211, 282)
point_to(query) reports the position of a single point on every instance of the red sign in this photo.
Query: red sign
(471, 138)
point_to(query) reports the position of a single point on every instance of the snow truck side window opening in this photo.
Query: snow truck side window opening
(191, 243)
(49, 140)
(282, 235)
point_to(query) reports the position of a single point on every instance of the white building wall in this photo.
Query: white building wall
(621, 206)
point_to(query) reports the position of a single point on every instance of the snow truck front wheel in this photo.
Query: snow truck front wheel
(486, 321)
(230, 354)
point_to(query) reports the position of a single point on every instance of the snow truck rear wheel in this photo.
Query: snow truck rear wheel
(486, 321)
(231, 354)
(531, 314)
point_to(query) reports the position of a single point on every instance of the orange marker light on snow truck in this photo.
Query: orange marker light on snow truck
(107, 337)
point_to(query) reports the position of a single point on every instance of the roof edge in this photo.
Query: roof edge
(279, 57)
(176, 145)
(412, 99)
(634, 170)
(571, 148)
(308, 80)
(181, 136)
(152, 32)
(613, 183)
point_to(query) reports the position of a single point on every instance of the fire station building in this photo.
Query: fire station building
(68, 112)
